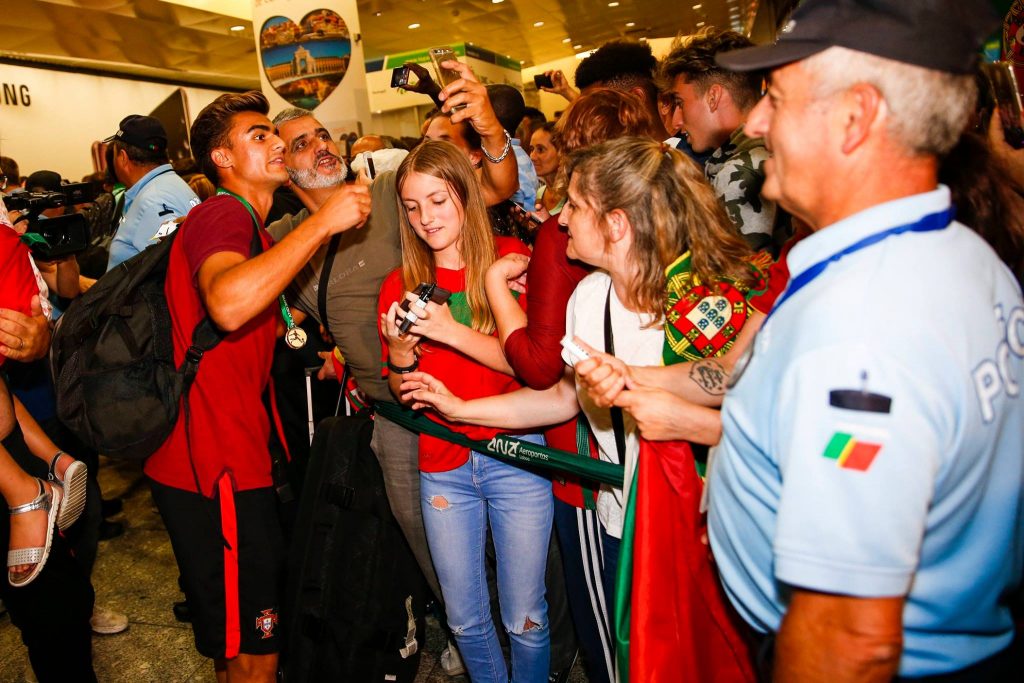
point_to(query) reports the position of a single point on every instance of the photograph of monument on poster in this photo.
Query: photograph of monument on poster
(305, 62)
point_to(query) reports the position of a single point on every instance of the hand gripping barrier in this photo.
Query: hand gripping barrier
(508, 448)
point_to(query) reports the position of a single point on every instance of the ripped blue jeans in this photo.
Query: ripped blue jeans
(457, 506)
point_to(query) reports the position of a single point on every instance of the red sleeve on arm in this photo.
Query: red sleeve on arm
(391, 290)
(534, 351)
(17, 280)
(222, 224)
(778, 277)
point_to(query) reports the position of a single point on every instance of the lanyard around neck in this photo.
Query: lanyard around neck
(933, 221)
(245, 203)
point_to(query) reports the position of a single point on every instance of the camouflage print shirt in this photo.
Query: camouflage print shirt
(736, 171)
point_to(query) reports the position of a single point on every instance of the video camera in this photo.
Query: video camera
(54, 238)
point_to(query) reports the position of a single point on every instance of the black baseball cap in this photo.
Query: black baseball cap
(944, 35)
(143, 132)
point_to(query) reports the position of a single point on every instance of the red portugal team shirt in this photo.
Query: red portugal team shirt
(463, 376)
(228, 426)
(17, 278)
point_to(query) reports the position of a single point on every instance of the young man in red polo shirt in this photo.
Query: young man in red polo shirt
(212, 478)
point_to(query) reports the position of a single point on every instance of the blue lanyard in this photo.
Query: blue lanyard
(933, 221)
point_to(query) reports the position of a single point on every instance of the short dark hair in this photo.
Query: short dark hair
(138, 155)
(694, 58)
(616, 59)
(9, 169)
(621, 65)
(508, 105)
(469, 134)
(211, 128)
(535, 115)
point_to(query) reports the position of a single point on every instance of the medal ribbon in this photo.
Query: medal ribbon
(286, 314)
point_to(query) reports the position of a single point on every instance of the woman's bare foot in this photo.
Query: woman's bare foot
(28, 529)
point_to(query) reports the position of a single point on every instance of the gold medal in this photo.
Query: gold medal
(295, 338)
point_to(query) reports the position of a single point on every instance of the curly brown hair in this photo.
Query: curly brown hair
(693, 56)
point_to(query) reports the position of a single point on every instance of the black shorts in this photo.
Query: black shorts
(230, 552)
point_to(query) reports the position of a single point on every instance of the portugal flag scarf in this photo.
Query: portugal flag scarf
(673, 621)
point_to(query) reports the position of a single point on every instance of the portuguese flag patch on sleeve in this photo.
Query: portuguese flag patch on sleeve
(850, 452)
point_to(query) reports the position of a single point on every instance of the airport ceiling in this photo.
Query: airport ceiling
(210, 42)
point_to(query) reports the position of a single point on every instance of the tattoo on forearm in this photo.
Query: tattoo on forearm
(710, 376)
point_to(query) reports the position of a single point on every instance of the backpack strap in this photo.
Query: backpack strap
(325, 279)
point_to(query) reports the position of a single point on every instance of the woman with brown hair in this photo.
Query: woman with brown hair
(447, 240)
(546, 159)
(532, 349)
(645, 217)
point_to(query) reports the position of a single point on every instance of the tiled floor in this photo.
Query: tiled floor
(136, 574)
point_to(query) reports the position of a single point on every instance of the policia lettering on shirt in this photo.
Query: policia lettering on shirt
(995, 375)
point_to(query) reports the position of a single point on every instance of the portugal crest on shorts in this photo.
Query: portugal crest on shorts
(266, 622)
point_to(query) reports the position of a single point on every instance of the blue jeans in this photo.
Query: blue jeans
(457, 506)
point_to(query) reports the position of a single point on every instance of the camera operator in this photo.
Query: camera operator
(60, 275)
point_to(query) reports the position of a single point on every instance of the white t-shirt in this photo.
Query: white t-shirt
(635, 344)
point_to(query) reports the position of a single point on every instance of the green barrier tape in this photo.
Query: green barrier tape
(33, 238)
(508, 448)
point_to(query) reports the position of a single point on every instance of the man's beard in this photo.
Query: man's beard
(310, 179)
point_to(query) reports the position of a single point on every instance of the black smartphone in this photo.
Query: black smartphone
(520, 214)
(400, 76)
(426, 292)
(543, 81)
(370, 170)
(1003, 82)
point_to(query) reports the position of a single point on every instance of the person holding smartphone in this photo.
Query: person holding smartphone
(447, 240)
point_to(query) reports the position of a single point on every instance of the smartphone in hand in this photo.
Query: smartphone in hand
(1003, 82)
(438, 55)
(400, 76)
(543, 81)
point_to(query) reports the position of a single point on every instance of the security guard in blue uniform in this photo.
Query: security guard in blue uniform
(866, 498)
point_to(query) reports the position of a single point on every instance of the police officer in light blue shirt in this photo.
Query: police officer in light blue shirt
(155, 194)
(866, 497)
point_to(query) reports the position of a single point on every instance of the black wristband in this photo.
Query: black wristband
(401, 370)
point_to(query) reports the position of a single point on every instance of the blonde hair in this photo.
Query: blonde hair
(445, 161)
(671, 208)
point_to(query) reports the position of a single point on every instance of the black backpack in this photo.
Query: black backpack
(355, 600)
(112, 358)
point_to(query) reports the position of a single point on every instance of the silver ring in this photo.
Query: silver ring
(410, 315)
(420, 304)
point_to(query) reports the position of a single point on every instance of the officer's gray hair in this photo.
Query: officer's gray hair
(928, 109)
(290, 114)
